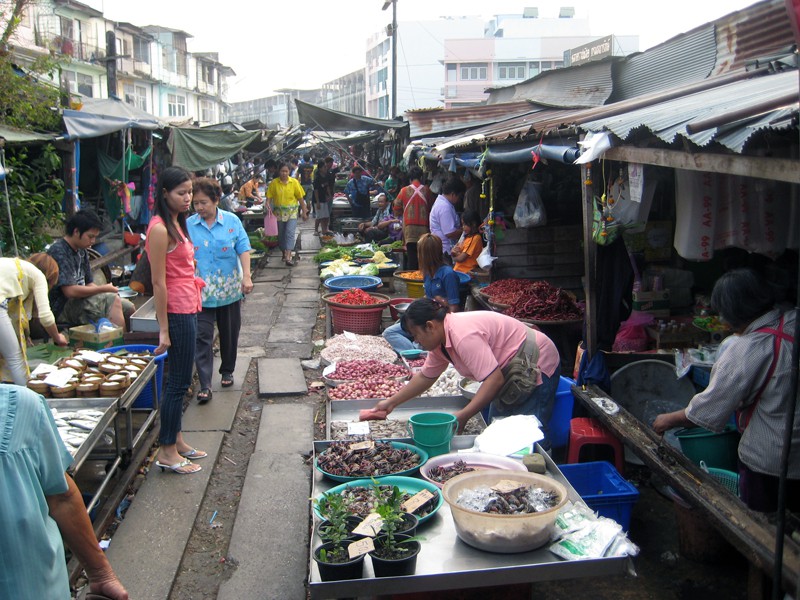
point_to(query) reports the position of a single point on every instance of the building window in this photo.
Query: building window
(141, 50)
(176, 105)
(452, 73)
(206, 111)
(135, 95)
(80, 83)
(207, 74)
(474, 71)
(534, 69)
(511, 71)
(450, 91)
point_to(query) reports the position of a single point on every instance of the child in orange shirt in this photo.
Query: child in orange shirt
(465, 253)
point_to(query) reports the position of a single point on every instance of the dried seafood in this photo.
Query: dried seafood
(520, 501)
(392, 428)
(442, 474)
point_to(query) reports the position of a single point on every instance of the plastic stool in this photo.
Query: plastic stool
(585, 431)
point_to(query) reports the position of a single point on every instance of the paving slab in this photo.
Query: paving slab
(216, 415)
(250, 337)
(265, 290)
(148, 546)
(303, 283)
(268, 276)
(290, 333)
(281, 377)
(270, 534)
(242, 364)
(297, 315)
(294, 296)
(289, 350)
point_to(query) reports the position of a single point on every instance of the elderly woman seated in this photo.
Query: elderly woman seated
(380, 227)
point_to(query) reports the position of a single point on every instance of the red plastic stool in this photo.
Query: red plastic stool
(585, 431)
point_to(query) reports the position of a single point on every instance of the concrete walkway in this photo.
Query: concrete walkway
(270, 535)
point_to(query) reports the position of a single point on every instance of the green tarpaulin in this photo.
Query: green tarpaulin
(199, 149)
(112, 168)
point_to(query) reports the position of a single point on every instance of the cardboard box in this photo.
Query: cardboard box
(655, 303)
(84, 336)
(654, 240)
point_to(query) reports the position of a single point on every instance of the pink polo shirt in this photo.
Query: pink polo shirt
(479, 342)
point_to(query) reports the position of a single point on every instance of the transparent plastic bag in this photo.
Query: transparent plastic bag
(530, 208)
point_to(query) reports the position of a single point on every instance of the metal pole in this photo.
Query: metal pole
(394, 60)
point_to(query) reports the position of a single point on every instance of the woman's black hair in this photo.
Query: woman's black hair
(471, 218)
(740, 296)
(415, 172)
(170, 178)
(421, 311)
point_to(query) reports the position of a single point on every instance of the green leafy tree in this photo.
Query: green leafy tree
(34, 195)
(34, 188)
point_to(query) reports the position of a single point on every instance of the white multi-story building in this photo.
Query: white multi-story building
(451, 61)
(154, 70)
(513, 49)
(420, 51)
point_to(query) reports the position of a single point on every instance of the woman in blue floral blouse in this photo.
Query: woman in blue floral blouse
(222, 253)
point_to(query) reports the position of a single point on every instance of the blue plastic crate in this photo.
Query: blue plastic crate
(145, 397)
(603, 489)
(562, 413)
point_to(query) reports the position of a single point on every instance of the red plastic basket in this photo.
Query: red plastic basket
(364, 321)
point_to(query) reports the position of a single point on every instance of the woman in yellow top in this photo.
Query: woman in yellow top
(286, 196)
(465, 254)
(23, 286)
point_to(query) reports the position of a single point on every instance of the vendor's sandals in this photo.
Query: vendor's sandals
(226, 380)
(185, 467)
(193, 454)
(204, 396)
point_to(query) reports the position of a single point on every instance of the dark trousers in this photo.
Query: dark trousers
(412, 262)
(760, 491)
(182, 334)
(229, 321)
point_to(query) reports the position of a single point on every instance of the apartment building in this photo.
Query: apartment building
(149, 67)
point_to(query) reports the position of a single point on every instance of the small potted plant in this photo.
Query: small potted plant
(395, 553)
(333, 561)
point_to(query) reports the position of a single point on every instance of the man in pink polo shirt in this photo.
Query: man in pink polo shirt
(479, 344)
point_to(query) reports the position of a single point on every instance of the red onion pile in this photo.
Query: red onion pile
(360, 369)
(370, 387)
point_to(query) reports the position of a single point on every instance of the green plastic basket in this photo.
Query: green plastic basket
(727, 478)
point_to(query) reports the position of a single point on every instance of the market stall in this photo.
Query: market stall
(447, 563)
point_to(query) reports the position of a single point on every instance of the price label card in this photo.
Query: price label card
(370, 526)
(61, 377)
(358, 428)
(507, 485)
(360, 547)
(42, 369)
(417, 500)
(365, 445)
(92, 356)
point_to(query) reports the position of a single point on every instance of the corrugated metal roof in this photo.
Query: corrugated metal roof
(668, 120)
(438, 122)
(685, 59)
(754, 32)
(583, 86)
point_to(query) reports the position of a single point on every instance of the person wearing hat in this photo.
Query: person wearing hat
(358, 191)
(24, 285)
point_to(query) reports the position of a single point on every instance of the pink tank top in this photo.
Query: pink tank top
(183, 288)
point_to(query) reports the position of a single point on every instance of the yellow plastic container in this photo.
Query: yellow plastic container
(414, 289)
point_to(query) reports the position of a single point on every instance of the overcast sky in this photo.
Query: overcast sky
(272, 45)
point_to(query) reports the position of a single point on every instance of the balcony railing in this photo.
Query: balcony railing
(72, 48)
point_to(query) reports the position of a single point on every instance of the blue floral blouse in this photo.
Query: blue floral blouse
(216, 251)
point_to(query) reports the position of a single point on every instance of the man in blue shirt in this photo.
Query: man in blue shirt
(358, 192)
(41, 508)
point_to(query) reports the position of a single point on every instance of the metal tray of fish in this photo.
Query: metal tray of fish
(105, 410)
(341, 412)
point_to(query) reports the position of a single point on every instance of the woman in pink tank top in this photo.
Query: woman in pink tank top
(176, 291)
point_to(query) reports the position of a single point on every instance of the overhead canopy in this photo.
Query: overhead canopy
(100, 116)
(21, 136)
(199, 149)
(314, 116)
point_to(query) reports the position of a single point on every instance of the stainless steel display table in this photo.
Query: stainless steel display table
(447, 563)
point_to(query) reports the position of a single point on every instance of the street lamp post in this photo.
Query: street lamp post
(386, 5)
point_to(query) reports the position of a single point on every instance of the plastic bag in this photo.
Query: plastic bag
(530, 208)
(485, 258)
(632, 335)
(270, 223)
